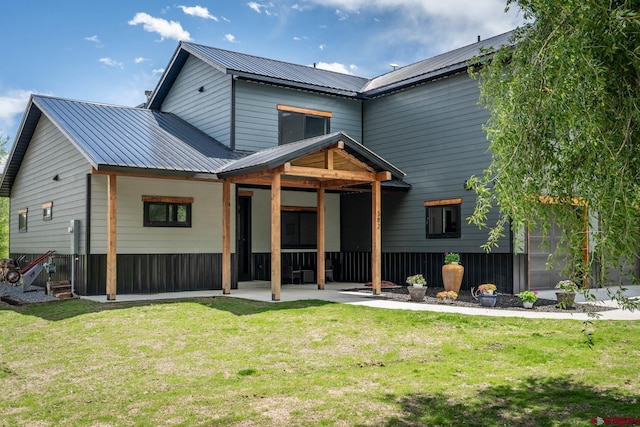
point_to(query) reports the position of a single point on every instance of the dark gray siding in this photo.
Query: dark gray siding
(257, 114)
(209, 110)
(434, 134)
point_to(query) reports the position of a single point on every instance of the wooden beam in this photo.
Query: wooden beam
(226, 237)
(328, 159)
(320, 113)
(329, 174)
(276, 256)
(164, 199)
(442, 202)
(376, 247)
(320, 238)
(112, 268)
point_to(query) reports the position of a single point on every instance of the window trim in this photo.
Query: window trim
(443, 203)
(23, 213)
(168, 201)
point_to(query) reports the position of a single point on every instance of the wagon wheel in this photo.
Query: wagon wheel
(13, 276)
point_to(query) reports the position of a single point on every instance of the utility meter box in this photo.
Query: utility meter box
(74, 235)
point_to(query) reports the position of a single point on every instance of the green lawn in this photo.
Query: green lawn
(225, 361)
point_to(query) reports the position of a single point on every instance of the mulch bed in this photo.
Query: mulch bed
(465, 299)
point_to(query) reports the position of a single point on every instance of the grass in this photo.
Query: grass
(231, 362)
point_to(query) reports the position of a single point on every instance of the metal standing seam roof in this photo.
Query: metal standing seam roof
(122, 137)
(433, 67)
(306, 77)
(277, 156)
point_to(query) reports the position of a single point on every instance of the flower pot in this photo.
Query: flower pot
(527, 304)
(565, 299)
(417, 294)
(447, 300)
(487, 300)
(452, 276)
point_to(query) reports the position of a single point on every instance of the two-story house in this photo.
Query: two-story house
(241, 168)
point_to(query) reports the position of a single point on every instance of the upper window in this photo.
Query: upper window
(167, 211)
(300, 123)
(299, 228)
(443, 218)
(22, 220)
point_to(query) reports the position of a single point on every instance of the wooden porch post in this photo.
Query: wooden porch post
(320, 239)
(276, 256)
(111, 238)
(376, 248)
(226, 237)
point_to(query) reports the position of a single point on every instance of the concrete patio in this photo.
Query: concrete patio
(339, 292)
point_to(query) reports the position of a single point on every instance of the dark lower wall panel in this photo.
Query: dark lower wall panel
(356, 267)
(156, 273)
(63, 269)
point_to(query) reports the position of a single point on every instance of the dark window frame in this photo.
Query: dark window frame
(449, 215)
(299, 228)
(305, 119)
(23, 220)
(172, 207)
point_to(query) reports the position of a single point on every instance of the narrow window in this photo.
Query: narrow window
(295, 123)
(47, 211)
(299, 228)
(443, 218)
(22, 220)
(167, 211)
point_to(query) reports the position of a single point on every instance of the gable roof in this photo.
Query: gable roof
(118, 138)
(435, 67)
(310, 78)
(273, 157)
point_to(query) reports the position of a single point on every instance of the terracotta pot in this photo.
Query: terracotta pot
(417, 294)
(452, 276)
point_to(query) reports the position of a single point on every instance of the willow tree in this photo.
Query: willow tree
(564, 103)
(4, 207)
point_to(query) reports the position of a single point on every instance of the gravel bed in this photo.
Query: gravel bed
(16, 296)
(503, 302)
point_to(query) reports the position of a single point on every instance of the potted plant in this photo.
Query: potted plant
(566, 294)
(486, 293)
(528, 298)
(448, 297)
(452, 272)
(417, 287)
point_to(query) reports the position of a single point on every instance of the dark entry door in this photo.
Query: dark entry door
(243, 232)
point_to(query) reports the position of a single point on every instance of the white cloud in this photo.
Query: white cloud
(94, 39)
(12, 105)
(334, 66)
(437, 25)
(199, 11)
(322, 46)
(230, 38)
(157, 71)
(139, 59)
(166, 29)
(262, 7)
(298, 39)
(111, 62)
(341, 15)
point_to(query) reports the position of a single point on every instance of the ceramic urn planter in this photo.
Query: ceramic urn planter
(452, 276)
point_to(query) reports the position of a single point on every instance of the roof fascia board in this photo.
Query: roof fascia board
(291, 84)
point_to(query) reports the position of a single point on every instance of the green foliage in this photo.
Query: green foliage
(564, 101)
(4, 209)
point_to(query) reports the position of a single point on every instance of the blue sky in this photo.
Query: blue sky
(111, 51)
